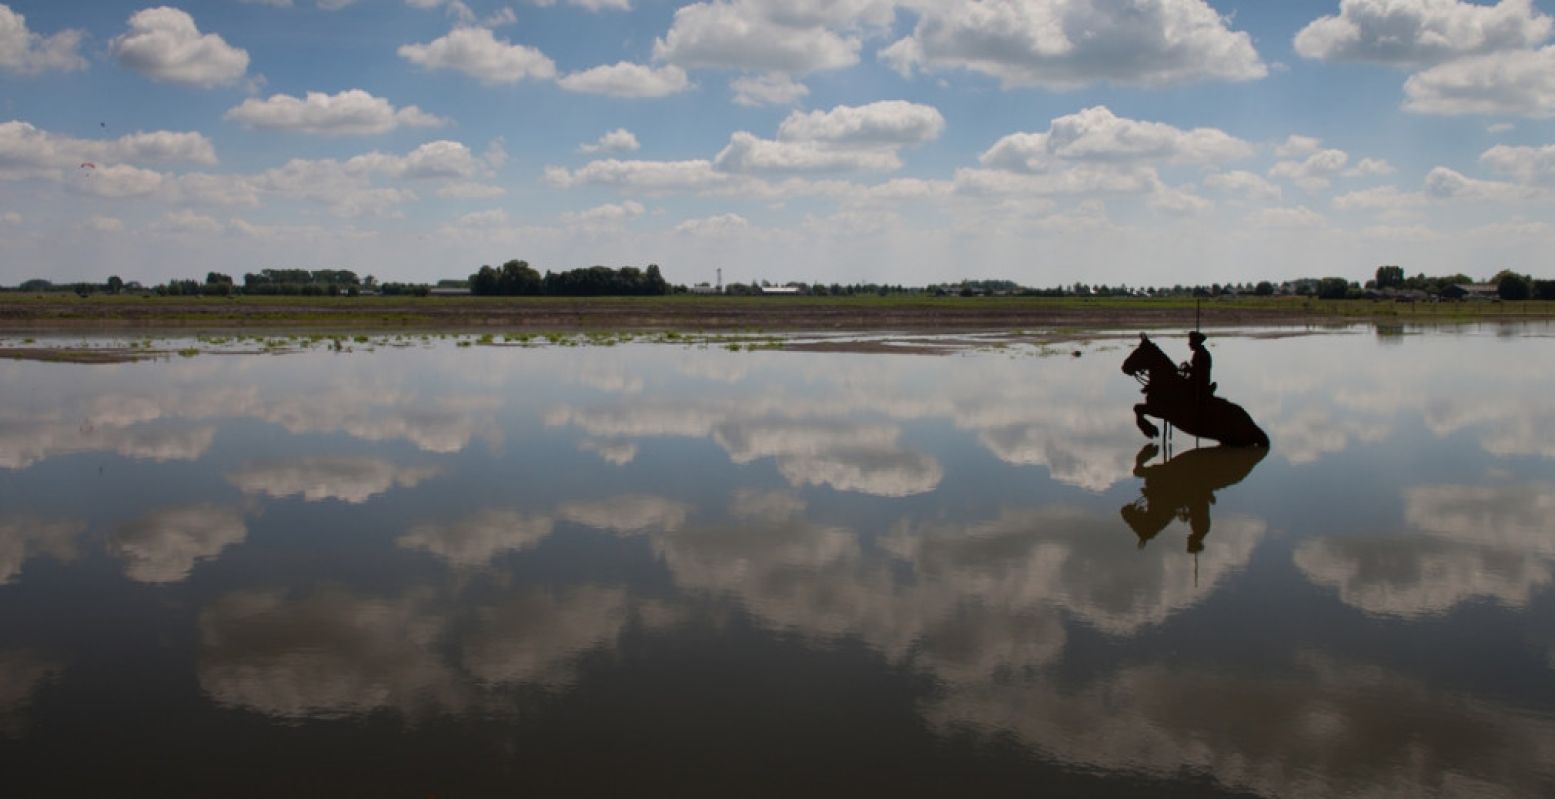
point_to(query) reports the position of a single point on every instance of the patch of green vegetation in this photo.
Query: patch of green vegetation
(189, 352)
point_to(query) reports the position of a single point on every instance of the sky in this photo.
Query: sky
(1142, 142)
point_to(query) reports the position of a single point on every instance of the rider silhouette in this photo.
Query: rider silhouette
(1197, 370)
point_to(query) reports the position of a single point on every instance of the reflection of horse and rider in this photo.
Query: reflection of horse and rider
(1184, 487)
(1185, 397)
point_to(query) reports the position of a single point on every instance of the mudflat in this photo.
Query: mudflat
(725, 313)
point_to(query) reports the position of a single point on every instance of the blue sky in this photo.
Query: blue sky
(1045, 141)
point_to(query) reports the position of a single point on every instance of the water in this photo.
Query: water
(443, 571)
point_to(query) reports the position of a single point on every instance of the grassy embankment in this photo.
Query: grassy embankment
(20, 312)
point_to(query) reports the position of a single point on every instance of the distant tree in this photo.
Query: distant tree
(1512, 286)
(36, 284)
(213, 278)
(518, 278)
(1264, 288)
(1390, 277)
(1544, 289)
(485, 282)
(115, 284)
(1333, 288)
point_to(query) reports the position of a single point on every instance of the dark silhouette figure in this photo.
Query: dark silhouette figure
(1172, 397)
(1184, 487)
(1198, 368)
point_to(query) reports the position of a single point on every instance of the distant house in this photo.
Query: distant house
(703, 288)
(789, 290)
(1471, 291)
(448, 291)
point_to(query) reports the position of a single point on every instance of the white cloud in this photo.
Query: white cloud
(619, 140)
(469, 190)
(1419, 32)
(718, 225)
(648, 176)
(119, 180)
(887, 123)
(26, 151)
(1245, 184)
(435, 159)
(164, 44)
(1297, 146)
(1381, 198)
(1368, 167)
(1518, 83)
(350, 112)
(1528, 165)
(1499, 127)
(1069, 45)
(846, 138)
(1315, 172)
(1448, 184)
(749, 34)
(772, 88)
(28, 53)
(1098, 135)
(1297, 217)
(607, 215)
(602, 5)
(747, 153)
(479, 54)
(626, 79)
(1178, 201)
(186, 221)
(500, 18)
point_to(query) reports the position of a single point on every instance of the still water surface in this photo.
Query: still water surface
(461, 571)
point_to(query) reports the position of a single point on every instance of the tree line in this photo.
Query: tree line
(518, 278)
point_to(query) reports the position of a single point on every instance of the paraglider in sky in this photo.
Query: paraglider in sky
(86, 168)
(88, 165)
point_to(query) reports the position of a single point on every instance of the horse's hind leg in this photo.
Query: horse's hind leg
(1145, 426)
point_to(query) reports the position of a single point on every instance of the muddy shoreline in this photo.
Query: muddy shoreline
(708, 314)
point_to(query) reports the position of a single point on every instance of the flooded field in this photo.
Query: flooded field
(446, 567)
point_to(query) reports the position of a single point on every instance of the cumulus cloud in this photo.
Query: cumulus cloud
(1244, 184)
(883, 123)
(1381, 198)
(626, 79)
(1069, 45)
(1448, 184)
(350, 112)
(30, 152)
(1298, 146)
(717, 225)
(1516, 83)
(847, 138)
(164, 44)
(470, 190)
(646, 176)
(1314, 172)
(1421, 32)
(1098, 135)
(26, 53)
(1528, 165)
(479, 54)
(791, 38)
(1297, 217)
(607, 215)
(619, 140)
(772, 88)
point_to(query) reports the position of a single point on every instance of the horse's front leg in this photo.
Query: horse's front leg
(1145, 426)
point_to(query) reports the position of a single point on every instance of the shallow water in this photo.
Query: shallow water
(442, 571)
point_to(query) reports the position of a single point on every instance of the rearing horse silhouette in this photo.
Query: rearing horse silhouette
(1169, 396)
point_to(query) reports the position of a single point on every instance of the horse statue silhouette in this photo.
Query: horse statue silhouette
(1171, 397)
(1184, 487)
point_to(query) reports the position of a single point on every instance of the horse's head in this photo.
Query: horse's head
(1144, 358)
